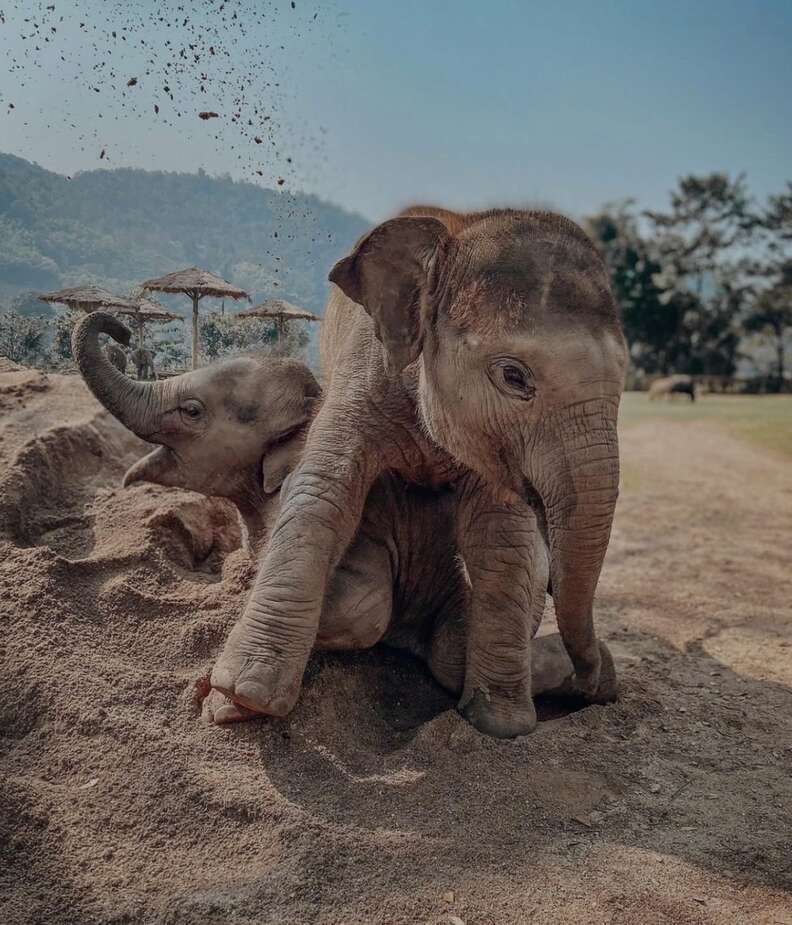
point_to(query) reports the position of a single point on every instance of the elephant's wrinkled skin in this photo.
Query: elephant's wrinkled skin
(487, 353)
(235, 430)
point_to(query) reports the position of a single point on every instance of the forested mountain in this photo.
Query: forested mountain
(118, 227)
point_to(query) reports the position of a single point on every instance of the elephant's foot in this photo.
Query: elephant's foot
(552, 672)
(262, 683)
(218, 709)
(595, 678)
(607, 687)
(496, 716)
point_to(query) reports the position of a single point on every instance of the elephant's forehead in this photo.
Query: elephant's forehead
(529, 303)
(516, 282)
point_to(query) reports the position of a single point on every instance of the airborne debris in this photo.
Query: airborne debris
(227, 56)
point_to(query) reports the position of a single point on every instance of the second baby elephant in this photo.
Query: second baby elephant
(235, 430)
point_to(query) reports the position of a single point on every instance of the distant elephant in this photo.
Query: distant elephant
(480, 350)
(144, 363)
(672, 385)
(236, 429)
(117, 357)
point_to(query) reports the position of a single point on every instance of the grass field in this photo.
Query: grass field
(763, 420)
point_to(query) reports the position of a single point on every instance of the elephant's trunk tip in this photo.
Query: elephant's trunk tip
(100, 323)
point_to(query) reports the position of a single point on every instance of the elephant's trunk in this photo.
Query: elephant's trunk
(137, 405)
(577, 480)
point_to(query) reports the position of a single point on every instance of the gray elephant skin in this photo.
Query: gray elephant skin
(235, 430)
(482, 351)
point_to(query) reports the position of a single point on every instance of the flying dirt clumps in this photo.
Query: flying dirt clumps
(129, 62)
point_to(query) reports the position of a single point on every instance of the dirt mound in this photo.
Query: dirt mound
(374, 802)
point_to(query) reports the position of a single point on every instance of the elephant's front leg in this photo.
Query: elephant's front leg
(507, 566)
(262, 664)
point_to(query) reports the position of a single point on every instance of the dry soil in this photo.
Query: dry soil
(375, 802)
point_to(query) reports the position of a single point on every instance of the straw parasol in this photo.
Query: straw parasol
(197, 284)
(86, 298)
(281, 311)
(143, 311)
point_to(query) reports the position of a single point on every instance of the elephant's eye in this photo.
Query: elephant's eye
(192, 410)
(512, 378)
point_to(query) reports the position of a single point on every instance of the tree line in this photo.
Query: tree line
(697, 279)
(696, 282)
(45, 342)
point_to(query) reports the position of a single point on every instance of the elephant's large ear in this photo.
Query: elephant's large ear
(279, 462)
(387, 274)
(160, 467)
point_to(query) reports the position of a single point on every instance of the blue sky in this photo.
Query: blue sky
(461, 103)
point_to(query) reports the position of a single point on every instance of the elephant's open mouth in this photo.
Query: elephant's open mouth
(285, 435)
(158, 466)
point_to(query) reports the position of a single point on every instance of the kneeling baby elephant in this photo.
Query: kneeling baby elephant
(235, 430)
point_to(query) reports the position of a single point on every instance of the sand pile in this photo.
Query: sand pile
(374, 802)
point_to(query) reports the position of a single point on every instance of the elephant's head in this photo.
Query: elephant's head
(233, 429)
(520, 366)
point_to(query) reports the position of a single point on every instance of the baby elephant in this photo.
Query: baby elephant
(672, 385)
(236, 429)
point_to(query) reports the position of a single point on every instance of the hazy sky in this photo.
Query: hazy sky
(382, 103)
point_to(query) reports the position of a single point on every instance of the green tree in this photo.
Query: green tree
(701, 244)
(226, 335)
(651, 324)
(22, 339)
(62, 328)
(771, 315)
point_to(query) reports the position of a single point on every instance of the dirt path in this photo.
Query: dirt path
(375, 802)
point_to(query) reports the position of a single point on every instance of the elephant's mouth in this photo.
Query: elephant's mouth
(285, 435)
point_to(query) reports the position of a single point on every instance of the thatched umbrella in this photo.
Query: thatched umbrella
(86, 298)
(281, 311)
(143, 311)
(197, 284)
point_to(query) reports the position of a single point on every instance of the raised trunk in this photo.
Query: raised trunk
(137, 405)
(577, 481)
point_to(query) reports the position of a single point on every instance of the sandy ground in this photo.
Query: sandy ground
(374, 802)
